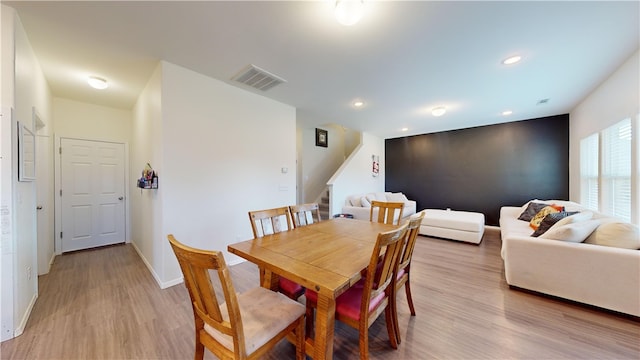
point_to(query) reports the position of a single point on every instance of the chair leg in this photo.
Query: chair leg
(394, 315)
(407, 289)
(199, 325)
(391, 326)
(364, 343)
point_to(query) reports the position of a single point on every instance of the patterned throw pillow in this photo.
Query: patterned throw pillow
(535, 222)
(532, 209)
(550, 220)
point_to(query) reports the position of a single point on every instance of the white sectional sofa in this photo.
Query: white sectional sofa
(592, 259)
(359, 205)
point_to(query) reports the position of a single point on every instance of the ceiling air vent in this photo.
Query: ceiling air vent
(258, 78)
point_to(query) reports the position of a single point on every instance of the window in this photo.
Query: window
(610, 171)
(616, 170)
(589, 172)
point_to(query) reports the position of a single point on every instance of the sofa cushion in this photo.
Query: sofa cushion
(365, 201)
(537, 219)
(616, 234)
(380, 196)
(355, 200)
(574, 232)
(530, 210)
(576, 216)
(397, 197)
(550, 220)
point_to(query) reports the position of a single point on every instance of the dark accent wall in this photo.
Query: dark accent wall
(484, 168)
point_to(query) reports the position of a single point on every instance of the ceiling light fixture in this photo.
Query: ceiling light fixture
(438, 111)
(404, 129)
(97, 83)
(358, 103)
(507, 113)
(348, 12)
(512, 60)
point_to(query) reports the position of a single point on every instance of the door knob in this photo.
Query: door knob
(120, 198)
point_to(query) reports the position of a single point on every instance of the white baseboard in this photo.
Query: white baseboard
(25, 317)
(161, 284)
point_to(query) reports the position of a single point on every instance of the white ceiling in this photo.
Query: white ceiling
(402, 58)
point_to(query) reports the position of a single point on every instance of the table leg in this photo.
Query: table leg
(325, 322)
(269, 280)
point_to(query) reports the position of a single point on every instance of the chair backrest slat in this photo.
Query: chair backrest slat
(386, 211)
(195, 265)
(413, 228)
(380, 278)
(270, 221)
(305, 214)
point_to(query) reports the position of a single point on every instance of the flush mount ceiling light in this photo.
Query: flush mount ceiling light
(349, 12)
(97, 83)
(438, 111)
(512, 60)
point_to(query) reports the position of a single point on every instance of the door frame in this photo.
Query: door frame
(58, 182)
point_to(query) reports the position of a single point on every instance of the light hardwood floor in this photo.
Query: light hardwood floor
(104, 304)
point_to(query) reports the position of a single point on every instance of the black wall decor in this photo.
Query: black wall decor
(484, 168)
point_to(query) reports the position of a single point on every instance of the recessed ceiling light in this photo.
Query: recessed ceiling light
(358, 103)
(512, 60)
(404, 129)
(438, 111)
(97, 83)
(507, 112)
(349, 12)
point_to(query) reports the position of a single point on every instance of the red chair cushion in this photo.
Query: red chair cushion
(348, 304)
(290, 288)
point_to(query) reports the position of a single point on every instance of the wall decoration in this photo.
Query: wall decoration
(149, 179)
(322, 137)
(375, 171)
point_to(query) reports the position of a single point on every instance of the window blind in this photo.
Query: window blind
(589, 172)
(616, 170)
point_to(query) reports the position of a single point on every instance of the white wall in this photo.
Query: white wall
(318, 164)
(222, 151)
(79, 120)
(33, 94)
(616, 99)
(75, 119)
(147, 147)
(27, 83)
(355, 175)
(7, 252)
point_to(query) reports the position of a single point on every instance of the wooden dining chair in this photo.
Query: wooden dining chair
(235, 326)
(386, 211)
(305, 214)
(404, 267)
(271, 221)
(362, 303)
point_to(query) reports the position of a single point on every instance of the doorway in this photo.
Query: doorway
(92, 194)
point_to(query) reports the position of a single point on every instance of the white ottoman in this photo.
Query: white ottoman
(455, 225)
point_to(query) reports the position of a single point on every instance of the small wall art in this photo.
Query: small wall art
(375, 171)
(322, 137)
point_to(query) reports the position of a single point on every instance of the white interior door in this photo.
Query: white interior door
(92, 194)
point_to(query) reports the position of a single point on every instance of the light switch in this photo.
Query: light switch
(284, 170)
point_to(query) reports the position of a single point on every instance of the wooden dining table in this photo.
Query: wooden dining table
(327, 257)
